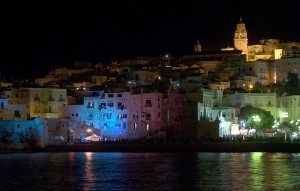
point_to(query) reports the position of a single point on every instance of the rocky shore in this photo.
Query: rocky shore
(182, 147)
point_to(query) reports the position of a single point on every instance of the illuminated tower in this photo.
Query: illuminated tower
(197, 46)
(240, 37)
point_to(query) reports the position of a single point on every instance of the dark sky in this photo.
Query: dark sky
(42, 35)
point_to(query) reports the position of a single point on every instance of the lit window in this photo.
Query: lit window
(90, 104)
(135, 126)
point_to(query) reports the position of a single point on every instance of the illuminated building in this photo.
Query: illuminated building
(286, 65)
(246, 74)
(288, 107)
(12, 111)
(20, 131)
(240, 37)
(41, 102)
(127, 115)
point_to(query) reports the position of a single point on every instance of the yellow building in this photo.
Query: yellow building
(42, 102)
(288, 107)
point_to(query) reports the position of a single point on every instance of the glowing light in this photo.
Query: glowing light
(284, 114)
(256, 118)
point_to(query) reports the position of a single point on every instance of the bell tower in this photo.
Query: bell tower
(197, 46)
(240, 37)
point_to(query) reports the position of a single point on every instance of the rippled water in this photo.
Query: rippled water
(150, 171)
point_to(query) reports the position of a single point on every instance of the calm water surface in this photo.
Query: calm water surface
(150, 171)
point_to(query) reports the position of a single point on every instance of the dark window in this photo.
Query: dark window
(17, 113)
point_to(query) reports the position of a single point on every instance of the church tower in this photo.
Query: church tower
(240, 37)
(197, 46)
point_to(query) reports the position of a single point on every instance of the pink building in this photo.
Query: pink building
(127, 115)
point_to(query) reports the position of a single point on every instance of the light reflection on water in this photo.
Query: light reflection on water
(150, 171)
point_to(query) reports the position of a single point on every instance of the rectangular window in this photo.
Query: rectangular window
(108, 116)
(17, 113)
(76, 114)
(102, 106)
(61, 97)
(269, 102)
(110, 104)
(36, 97)
(135, 126)
(90, 104)
(148, 103)
(120, 105)
(124, 125)
(119, 95)
(110, 95)
(90, 116)
(18, 125)
(148, 116)
(51, 97)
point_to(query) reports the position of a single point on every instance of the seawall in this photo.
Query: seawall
(197, 147)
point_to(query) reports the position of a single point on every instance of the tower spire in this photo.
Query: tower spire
(241, 20)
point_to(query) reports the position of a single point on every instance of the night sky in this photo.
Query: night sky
(39, 36)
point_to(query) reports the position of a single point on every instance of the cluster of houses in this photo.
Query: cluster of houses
(181, 97)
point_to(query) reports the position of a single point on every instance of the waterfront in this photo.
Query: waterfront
(150, 171)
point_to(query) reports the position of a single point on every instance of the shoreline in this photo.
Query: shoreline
(166, 147)
(180, 147)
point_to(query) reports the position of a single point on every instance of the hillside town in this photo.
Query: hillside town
(200, 95)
